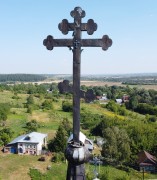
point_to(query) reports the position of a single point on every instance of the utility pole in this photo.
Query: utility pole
(76, 153)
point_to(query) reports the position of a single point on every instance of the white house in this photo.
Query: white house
(31, 143)
(118, 101)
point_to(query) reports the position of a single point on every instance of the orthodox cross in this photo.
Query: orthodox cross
(76, 152)
(75, 45)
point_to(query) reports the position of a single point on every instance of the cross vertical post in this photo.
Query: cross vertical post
(77, 152)
(76, 78)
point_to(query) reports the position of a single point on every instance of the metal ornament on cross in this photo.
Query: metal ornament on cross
(75, 167)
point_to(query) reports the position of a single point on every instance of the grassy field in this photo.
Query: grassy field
(15, 167)
(18, 167)
(103, 83)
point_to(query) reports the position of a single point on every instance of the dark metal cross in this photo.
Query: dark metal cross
(75, 45)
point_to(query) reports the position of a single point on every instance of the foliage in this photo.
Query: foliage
(30, 104)
(5, 136)
(47, 104)
(133, 102)
(106, 175)
(15, 96)
(104, 123)
(31, 126)
(58, 157)
(112, 106)
(143, 137)
(30, 100)
(67, 125)
(152, 119)
(4, 111)
(30, 109)
(116, 147)
(29, 88)
(21, 77)
(67, 106)
(58, 144)
(144, 108)
(89, 119)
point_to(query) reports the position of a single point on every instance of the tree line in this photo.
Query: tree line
(21, 77)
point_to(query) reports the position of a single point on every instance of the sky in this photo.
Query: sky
(131, 24)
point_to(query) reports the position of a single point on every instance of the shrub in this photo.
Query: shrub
(47, 104)
(67, 106)
(58, 157)
(153, 119)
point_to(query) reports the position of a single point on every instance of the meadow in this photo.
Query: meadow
(17, 167)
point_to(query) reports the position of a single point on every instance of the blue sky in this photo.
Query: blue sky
(131, 24)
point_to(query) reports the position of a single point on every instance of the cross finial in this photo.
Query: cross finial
(91, 26)
(48, 42)
(78, 13)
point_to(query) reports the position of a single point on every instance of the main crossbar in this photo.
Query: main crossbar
(105, 42)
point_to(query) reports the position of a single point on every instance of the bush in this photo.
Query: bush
(47, 104)
(153, 119)
(4, 111)
(67, 106)
(144, 108)
(31, 126)
(58, 157)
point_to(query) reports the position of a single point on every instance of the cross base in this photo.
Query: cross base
(76, 172)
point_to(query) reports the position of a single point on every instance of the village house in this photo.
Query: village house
(125, 98)
(31, 143)
(102, 98)
(118, 101)
(147, 162)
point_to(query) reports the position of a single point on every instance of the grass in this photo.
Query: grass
(13, 166)
(97, 109)
(6, 97)
(16, 122)
(17, 167)
(101, 83)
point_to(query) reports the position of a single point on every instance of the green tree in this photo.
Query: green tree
(116, 146)
(67, 106)
(67, 125)
(58, 144)
(105, 122)
(5, 136)
(112, 106)
(4, 111)
(30, 100)
(133, 102)
(41, 89)
(98, 92)
(31, 126)
(29, 109)
(47, 104)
